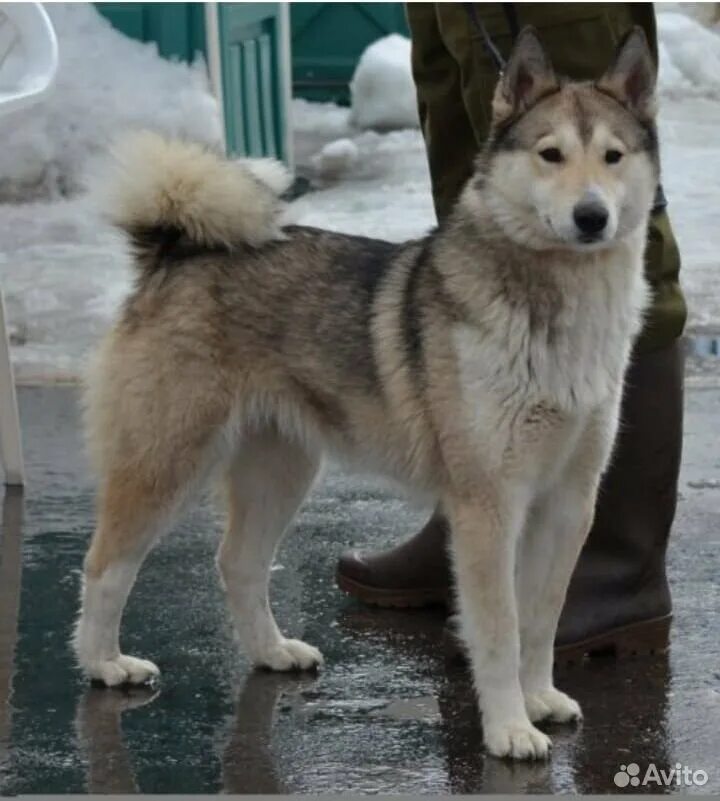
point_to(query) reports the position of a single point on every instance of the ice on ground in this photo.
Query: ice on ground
(64, 273)
(382, 88)
(690, 148)
(106, 83)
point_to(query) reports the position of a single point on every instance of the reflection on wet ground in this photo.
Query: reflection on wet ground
(389, 713)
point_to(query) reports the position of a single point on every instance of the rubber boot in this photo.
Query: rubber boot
(618, 599)
(413, 574)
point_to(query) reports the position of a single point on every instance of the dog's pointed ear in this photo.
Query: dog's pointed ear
(631, 77)
(527, 76)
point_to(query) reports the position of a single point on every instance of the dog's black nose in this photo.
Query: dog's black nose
(590, 218)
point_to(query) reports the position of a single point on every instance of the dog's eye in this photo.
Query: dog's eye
(551, 154)
(613, 156)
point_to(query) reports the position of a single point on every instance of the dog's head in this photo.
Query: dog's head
(568, 164)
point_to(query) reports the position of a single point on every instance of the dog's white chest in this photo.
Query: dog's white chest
(572, 360)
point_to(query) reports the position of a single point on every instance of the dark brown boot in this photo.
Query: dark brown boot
(618, 597)
(415, 573)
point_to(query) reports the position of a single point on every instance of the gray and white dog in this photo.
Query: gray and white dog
(481, 365)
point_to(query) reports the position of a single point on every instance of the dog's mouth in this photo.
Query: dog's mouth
(590, 239)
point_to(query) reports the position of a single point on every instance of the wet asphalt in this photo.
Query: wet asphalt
(388, 713)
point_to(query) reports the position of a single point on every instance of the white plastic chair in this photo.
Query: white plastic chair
(26, 26)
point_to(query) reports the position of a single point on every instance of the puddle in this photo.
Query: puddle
(421, 708)
(412, 709)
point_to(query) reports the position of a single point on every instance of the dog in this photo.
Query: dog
(481, 365)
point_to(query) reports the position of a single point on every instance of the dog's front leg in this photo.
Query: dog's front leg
(556, 530)
(484, 536)
(557, 527)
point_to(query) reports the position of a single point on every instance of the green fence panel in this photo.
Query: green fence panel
(328, 39)
(251, 63)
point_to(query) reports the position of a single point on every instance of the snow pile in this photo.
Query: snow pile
(315, 124)
(382, 89)
(705, 13)
(106, 83)
(336, 158)
(689, 57)
(326, 119)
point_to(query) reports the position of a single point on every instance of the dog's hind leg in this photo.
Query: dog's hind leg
(266, 484)
(133, 511)
(151, 458)
(128, 523)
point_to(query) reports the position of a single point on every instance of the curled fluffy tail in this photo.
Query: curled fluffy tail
(160, 190)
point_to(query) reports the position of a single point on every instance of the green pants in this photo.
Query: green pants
(455, 79)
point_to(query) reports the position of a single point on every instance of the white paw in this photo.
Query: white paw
(553, 705)
(291, 655)
(517, 740)
(122, 670)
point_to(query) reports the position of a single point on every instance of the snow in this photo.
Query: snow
(64, 273)
(106, 83)
(382, 88)
(336, 158)
(689, 57)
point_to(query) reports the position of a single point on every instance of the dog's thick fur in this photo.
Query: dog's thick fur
(482, 365)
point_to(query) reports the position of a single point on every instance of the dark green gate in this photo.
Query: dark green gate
(177, 28)
(329, 38)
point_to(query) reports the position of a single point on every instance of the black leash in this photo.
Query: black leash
(492, 51)
(659, 201)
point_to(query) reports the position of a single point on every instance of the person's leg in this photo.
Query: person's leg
(450, 139)
(620, 577)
